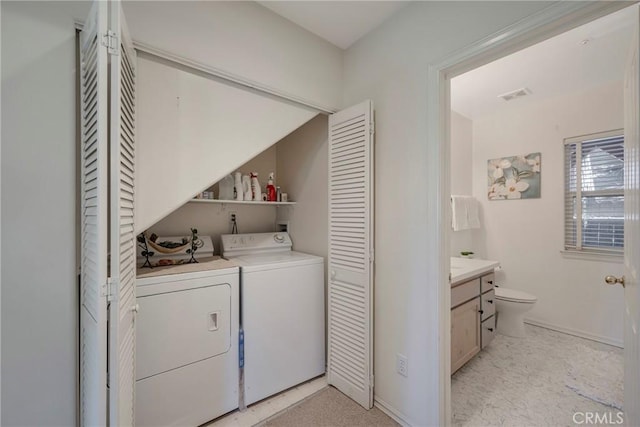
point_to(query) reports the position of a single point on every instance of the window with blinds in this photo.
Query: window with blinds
(594, 192)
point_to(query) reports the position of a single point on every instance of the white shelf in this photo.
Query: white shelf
(237, 202)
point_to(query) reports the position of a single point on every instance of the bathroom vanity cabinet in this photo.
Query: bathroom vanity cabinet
(472, 313)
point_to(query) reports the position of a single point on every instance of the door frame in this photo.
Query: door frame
(549, 22)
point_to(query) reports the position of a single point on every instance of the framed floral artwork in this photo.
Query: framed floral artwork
(515, 177)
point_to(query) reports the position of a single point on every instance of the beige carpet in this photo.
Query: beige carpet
(330, 408)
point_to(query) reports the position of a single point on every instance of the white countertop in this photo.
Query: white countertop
(466, 268)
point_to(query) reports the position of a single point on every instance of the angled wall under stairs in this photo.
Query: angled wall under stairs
(192, 130)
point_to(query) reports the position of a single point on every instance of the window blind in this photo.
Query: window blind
(594, 193)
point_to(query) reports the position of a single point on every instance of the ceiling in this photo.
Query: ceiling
(588, 56)
(341, 23)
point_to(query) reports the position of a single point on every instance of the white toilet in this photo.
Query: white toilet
(511, 306)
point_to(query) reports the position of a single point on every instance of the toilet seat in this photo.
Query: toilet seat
(512, 295)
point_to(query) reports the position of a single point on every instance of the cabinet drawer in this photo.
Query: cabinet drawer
(488, 305)
(465, 292)
(487, 282)
(488, 331)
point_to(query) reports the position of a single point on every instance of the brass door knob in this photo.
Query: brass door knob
(612, 280)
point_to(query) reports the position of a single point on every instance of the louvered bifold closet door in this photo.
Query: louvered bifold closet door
(123, 307)
(350, 323)
(93, 187)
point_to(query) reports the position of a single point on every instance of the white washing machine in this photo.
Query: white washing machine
(282, 312)
(187, 343)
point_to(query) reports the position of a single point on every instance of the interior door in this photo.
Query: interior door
(632, 234)
(94, 197)
(350, 261)
(122, 305)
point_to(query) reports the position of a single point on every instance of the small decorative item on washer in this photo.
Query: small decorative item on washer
(142, 243)
(284, 197)
(195, 245)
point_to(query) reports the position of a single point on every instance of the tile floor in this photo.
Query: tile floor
(513, 382)
(523, 382)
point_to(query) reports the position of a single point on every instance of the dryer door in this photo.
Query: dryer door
(179, 328)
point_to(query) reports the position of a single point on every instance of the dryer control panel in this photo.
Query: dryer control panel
(254, 243)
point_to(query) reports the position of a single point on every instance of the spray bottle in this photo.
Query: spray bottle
(271, 189)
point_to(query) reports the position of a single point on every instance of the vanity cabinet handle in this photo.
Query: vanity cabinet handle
(490, 282)
(490, 301)
(490, 329)
(480, 311)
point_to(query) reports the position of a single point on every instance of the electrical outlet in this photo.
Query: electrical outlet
(402, 364)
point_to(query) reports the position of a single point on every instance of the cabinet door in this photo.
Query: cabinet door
(465, 333)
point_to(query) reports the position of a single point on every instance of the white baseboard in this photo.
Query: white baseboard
(576, 332)
(392, 412)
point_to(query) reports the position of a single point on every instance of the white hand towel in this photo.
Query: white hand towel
(459, 219)
(473, 216)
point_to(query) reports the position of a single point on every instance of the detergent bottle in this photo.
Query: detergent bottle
(238, 192)
(246, 188)
(255, 187)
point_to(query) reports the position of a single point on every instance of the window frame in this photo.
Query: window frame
(579, 193)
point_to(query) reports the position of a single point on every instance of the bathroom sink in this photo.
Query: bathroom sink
(465, 268)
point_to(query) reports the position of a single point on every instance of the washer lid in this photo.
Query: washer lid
(513, 295)
(273, 259)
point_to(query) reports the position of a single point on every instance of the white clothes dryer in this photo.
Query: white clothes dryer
(187, 343)
(282, 312)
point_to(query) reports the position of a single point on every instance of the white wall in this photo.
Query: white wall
(526, 236)
(194, 130)
(303, 175)
(214, 219)
(390, 66)
(299, 162)
(244, 39)
(39, 293)
(461, 185)
(39, 276)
